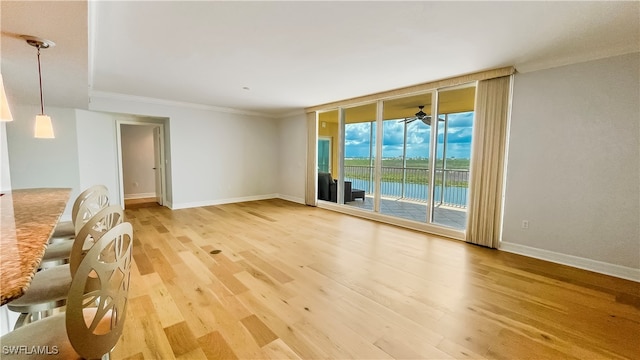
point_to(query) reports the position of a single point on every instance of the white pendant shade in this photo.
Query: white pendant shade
(44, 128)
(5, 112)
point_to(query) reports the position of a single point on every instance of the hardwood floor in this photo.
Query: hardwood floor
(140, 202)
(292, 281)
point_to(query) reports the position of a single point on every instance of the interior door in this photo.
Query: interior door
(158, 165)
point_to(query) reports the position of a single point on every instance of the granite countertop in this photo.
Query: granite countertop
(28, 218)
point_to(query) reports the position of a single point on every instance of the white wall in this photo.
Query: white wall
(138, 161)
(222, 157)
(573, 168)
(97, 152)
(216, 156)
(292, 158)
(83, 154)
(43, 162)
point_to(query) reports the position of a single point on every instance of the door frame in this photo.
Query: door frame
(158, 164)
(161, 148)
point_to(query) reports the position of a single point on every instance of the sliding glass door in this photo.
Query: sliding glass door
(359, 156)
(405, 157)
(453, 156)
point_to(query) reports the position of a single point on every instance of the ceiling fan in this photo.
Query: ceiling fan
(422, 116)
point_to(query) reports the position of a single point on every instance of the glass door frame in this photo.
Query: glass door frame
(433, 151)
(341, 152)
(377, 169)
(428, 225)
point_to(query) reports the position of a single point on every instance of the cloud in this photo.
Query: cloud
(392, 133)
(418, 133)
(457, 136)
(461, 120)
(417, 139)
(357, 138)
(356, 134)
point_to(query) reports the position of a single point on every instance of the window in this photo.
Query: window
(420, 143)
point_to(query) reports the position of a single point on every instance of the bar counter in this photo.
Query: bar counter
(28, 218)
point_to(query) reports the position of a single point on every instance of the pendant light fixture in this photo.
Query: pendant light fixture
(5, 112)
(44, 127)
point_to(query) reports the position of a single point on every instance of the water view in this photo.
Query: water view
(412, 182)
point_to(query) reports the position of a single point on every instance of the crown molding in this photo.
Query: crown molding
(532, 66)
(95, 94)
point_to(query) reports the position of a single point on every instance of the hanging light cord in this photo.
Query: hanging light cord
(40, 78)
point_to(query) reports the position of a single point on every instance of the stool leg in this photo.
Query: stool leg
(25, 319)
(28, 318)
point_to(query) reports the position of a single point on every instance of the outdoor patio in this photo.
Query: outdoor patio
(417, 211)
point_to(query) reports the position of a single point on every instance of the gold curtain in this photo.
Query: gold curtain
(487, 163)
(310, 197)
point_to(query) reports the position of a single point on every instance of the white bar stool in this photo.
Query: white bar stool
(93, 321)
(49, 288)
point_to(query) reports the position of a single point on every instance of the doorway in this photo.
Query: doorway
(142, 170)
(324, 154)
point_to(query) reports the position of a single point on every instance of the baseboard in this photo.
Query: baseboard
(222, 201)
(139, 196)
(574, 261)
(292, 198)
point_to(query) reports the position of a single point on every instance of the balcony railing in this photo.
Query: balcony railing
(413, 183)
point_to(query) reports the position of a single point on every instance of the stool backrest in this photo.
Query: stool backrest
(95, 319)
(88, 203)
(101, 222)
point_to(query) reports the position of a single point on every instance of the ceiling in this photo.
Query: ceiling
(291, 55)
(64, 67)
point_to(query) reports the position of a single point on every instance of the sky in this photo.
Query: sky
(357, 138)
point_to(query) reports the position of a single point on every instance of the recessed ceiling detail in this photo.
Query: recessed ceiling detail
(290, 54)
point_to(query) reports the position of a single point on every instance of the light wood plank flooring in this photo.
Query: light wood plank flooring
(292, 281)
(138, 203)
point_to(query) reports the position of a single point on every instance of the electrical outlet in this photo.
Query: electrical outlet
(525, 224)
